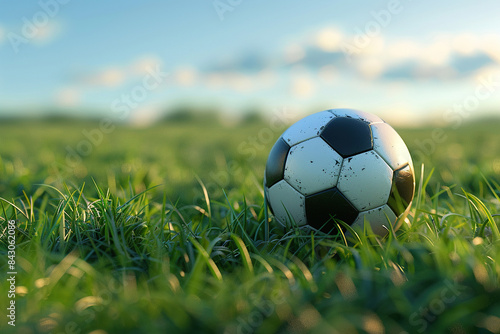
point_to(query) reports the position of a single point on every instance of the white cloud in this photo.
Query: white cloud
(68, 97)
(313, 68)
(109, 77)
(186, 76)
(236, 81)
(490, 44)
(302, 85)
(437, 53)
(486, 73)
(466, 44)
(294, 53)
(402, 50)
(371, 67)
(143, 65)
(47, 33)
(115, 76)
(329, 39)
(435, 59)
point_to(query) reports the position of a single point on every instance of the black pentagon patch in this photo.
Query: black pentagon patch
(348, 136)
(321, 207)
(275, 166)
(403, 187)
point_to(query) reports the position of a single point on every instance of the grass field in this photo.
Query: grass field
(163, 230)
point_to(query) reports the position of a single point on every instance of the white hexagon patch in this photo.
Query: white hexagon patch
(307, 128)
(287, 204)
(366, 180)
(390, 146)
(312, 166)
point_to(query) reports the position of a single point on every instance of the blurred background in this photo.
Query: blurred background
(406, 61)
(160, 87)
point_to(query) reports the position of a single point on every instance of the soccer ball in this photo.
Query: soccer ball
(340, 164)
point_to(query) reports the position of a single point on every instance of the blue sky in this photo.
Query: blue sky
(407, 61)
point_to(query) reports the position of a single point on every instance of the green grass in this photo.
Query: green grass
(164, 230)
